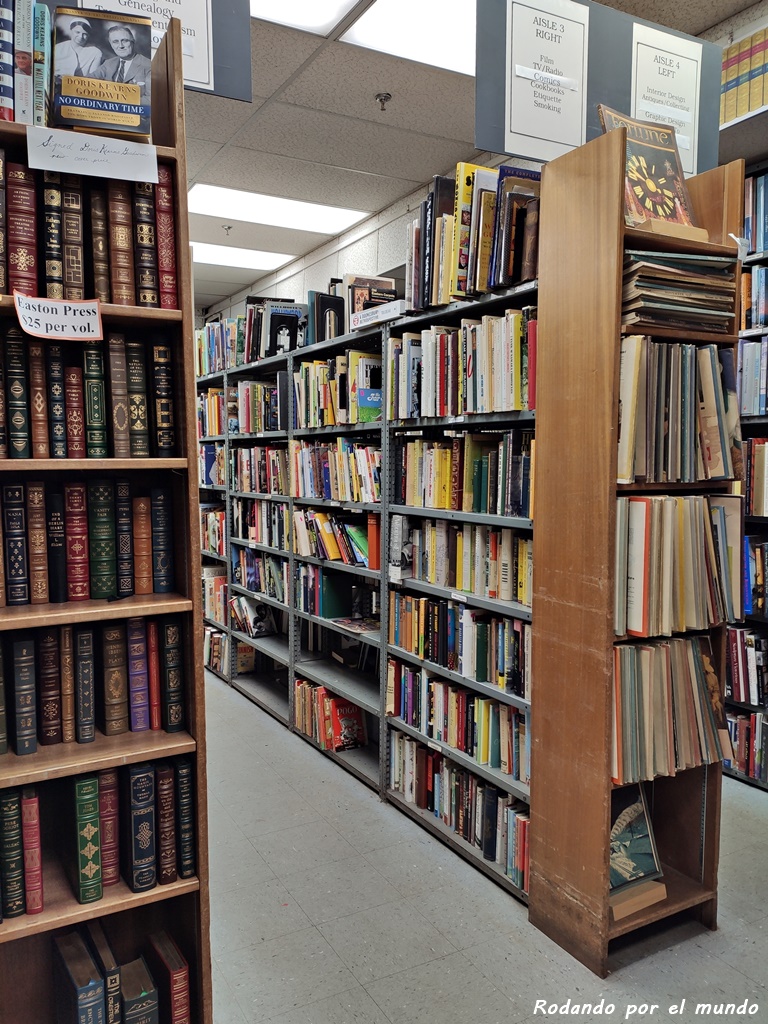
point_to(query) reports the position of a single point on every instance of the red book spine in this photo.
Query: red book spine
(153, 658)
(37, 544)
(74, 406)
(22, 230)
(49, 686)
(533, 333)
(120, 217)
(108, 823)
(33, 857)
(76, 537)
(38, 402)
(166, 238)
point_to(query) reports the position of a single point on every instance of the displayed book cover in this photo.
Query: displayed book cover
(633, 849)
(102, 71)
(655, 184)
(348, 723)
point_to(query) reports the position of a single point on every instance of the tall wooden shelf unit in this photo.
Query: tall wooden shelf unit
(26, 942)
(582, 241)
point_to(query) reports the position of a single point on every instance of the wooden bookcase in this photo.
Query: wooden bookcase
(582, 242)
(26, 973)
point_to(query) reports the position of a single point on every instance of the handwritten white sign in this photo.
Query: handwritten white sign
(62, 319)
(51, 149)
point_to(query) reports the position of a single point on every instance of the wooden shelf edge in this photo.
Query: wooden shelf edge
(91, 465)
(29, 616)
(683, 893)
(111, 311)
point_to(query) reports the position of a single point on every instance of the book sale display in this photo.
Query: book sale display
(103, 863)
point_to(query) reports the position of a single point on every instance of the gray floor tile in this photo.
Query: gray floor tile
(354, 1007)
(384, 940)
(234, 864)
(468, 915)
(281, 974)
(244, 916)
(261, 809)
(420, 865)
(335, 890)
(448, 989)
(226, 1009)
(302, 847)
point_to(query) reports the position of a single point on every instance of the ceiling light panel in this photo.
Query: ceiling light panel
(232, 204)
(318, 16)
(230, 256)
(442, 35)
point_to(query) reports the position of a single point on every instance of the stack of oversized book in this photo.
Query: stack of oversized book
(684, 292)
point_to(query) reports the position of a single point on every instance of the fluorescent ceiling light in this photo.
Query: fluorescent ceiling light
(318, 16)
(441, 34)
(230, 256)
(213, 201)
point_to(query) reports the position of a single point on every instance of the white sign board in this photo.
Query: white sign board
(546, 77)
(196, 31)
(51, 149)
(59, 319)
(666, 82)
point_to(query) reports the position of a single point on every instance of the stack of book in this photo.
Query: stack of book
(263, 522)
(333, 722)
(328, 536)
(259, 470)
(340, 470)
(684, 292)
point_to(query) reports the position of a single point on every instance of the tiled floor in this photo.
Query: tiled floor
(330, 907)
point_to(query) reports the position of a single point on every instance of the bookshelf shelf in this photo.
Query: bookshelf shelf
(265, 598)
(31, 616)
(362, 762)
(101, 466)
(132, 315)
(284, 499)
(682, 894)
(262, 435)
(211, 438)
(515, 522)
(340, 429)
(466, 421)
(355, 339)
(469, 307)
(510, 609)
(254, 545)
(270, 694)
(342, 681)
(339, 566)
(486, 689)
(351, 506)
(268, 365)
(367, 638)
(274, 647)
(732, 773)
(214, 555)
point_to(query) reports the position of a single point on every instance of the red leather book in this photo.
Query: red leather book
(120, 218)
(153, 659)
(100, 244)
(142, 546)
(22, 230)
(33, 857)
(171, 973)
(37, 544)
(166, 238)
(72, 236)
(74, 406)
(165, 805)
(76, 533)
(38, 401)
(3, 222)
(67, 661)
(49, 686)
(109, 824)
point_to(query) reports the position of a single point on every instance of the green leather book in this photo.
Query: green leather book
(95, 404)
(102, 540)
(85, 865)
(11, 854)
(3, 716)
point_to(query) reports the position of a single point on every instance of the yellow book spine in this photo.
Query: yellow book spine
(756, 70)
(731, 81)
(461, 211)
(742, 82)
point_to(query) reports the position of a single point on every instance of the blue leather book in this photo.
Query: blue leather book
(22, 699)
(138, 674)
(124, 538)
(16, 551)
(78, 982)
(85, 687)
(138, 833)
(57, 420)
(171, 674)
(17, 394)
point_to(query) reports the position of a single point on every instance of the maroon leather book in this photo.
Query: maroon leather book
(153, 667)
(118, 396)
(166, 237)
(33, 853)
(145, 244)
(22, 230)
(38, 401)
(74, 406)
(37, 543)
(166, 822)
(3, 227)
(67, 658)
(100, 244)
(142, 546)
(49, 686)
(121, 272)
(76, 535)
(72, 236)
(108, 823)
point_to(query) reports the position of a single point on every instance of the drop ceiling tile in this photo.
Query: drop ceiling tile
(690, 16)
(276, 53)
(300, 179)
(340, 141)
(216, 118)
(252, 236)
(199, 152)
(392, 242)
(234, 278)
(344, 79)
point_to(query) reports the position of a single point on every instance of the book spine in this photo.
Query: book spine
(166, 823)
(145, 245)
(6, 65)
(76, 537)
(3, 711)
(25, 696)
(72, 236)
(41, 69)
(57, 418)
(17, 394)
(138, 674)
(124, 538)
(164, 435)
(22, 230)
(3, 428)
(78, 984)
(23, 49)
(57, 547)
(11, 854)
(87, 862)
(101, 540)
(121, 271)
(67, 659)
(49, 686)
(137, 399)
(37, 543)
(95, 404)
(171, 675)
(38, 402)
(74, 411)
(85, 685)
(113, 705)
(52, 251)
(32, 846)
(5, 43)
(118, 391)
(139, 831)
(142, 545)
(153, 660)
(15, 536)
(109, 826)
(186, 864)
(166, 238)
(172, 973)
(100, 244)
(162, 540)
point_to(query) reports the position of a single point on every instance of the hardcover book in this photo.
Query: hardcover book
(138, 831)
(186, 864)
(633, 856)
(104, 958)
(76, 537)
(37, 543)
(33, 855)
(72, 236)
(113, 690)
(67, 659)
(11, 855)
(171, 973)
(52, 251)
(49, 686)
(145, 245)
(22, 230)
(101, 540)
(15, 539)
(17, 393)
(57, 418)
(166, 238)
(85, 684)
(79, 984)
(139, 994)
(109, 808)
(100, 243)
(171, 674)
(85, 862)
(124, 537)
(138, 674)
(102, 71)
(165, 784)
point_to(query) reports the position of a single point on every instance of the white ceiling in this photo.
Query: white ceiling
(314, 130)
